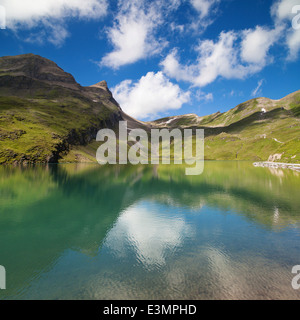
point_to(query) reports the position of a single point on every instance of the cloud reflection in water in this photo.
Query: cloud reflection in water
(147, 229)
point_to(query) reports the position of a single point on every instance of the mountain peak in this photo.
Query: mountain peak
(101, 85)
(35, 67)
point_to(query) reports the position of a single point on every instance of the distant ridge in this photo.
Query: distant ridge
(253, 130)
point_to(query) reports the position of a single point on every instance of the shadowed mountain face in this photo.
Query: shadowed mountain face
(46, 116)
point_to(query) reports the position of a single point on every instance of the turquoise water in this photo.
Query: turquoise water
(89, 232)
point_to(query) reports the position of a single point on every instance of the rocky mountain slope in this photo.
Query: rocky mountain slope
(45, 113)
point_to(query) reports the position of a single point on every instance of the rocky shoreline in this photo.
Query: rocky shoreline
(276, 165)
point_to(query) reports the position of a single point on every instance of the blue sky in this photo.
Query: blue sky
(163, 58)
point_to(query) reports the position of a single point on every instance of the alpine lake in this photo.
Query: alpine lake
(85, 231)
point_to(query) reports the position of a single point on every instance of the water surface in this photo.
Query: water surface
(82, 231)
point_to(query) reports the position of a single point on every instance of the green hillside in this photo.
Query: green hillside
(44, 112)
(253, 130)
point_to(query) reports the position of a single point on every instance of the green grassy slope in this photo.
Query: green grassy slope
(253, 130)
(44, 112)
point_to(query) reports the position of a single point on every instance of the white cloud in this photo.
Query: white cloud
(203, 6)
(283, 14)
(50, 14)
(174, 69)
(57, 35)
(218, 59)
(202, 96)
(31, 12)
(132, 35)
(169, 4)
(215, 59)
(256, 44)
(257, 90)
(177, 28)
(282, 9)
(235, 55)
(293, 42)
(206, 10)
(151, 95)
